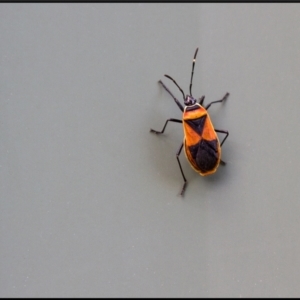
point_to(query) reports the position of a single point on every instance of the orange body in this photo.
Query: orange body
(201, 143)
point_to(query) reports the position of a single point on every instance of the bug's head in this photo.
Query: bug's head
(189, 100)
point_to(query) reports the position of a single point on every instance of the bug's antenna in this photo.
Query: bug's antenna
(176, 84)
(194, 60)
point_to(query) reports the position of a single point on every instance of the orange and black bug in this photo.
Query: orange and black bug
(201, 143)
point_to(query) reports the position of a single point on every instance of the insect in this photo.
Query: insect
(201, 143)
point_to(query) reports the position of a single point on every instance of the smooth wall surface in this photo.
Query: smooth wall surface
(89, 198)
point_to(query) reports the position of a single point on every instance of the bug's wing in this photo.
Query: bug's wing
(202, 145)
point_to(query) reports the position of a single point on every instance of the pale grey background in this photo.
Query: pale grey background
(89, 198)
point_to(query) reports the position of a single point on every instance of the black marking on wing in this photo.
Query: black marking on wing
(205, 154)
(197, 124)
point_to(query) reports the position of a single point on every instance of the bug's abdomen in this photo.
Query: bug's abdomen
(201, 142)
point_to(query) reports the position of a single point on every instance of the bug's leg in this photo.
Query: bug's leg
(227, 133)
(162, 131)
(201, 100)
(224, 98)
(177, 102)
(177, 157)
(222, 162)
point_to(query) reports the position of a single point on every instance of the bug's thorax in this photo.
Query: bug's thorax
(194, 111)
